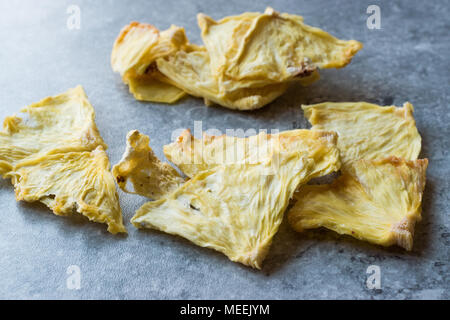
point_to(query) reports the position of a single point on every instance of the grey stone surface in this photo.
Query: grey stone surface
(406, 60)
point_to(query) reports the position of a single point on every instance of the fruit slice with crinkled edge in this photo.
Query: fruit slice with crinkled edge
(374, 200)
(72, 181)
(270, 47)
(368, 131)
(57, 156)
(193, 155)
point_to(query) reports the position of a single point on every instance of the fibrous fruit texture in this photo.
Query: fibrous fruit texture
(374, 200)
(378, 196)
(368, 131)
(236, 207)
(57, 156)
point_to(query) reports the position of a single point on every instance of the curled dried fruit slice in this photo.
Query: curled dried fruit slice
(237, 208)
(193, 155)
(139, 166)
(134, 54)
(368, 131)
(191, 72)
(57, 157)
(71, 180)
(270, 47)
(374, 200)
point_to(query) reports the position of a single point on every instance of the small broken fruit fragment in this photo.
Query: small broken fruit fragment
(374, 200)
(139, 166)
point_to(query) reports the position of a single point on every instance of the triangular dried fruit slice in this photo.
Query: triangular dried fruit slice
(235, 208)
(374, 200)
(140, 167)
(270, 47)
(368, 131)
(78, 180)
(61, 123)
(57, 157)
(193, 155)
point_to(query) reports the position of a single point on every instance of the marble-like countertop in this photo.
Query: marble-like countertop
(406, 60)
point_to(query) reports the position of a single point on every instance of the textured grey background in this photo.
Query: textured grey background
(406, 60)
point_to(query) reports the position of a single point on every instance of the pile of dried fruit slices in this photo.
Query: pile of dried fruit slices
(233, 192)
(246, 62)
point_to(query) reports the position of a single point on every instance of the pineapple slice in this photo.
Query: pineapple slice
(374, 200)
(57, 157)
(65, 122)
(194, 155)
(368, 131)
(236, 208)
(77, 180)
(134, 54)
(149, 176)
(263, 48)
(191, 72)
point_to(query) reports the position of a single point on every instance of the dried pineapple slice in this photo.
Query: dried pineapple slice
(134, 54)
(64, 181)
(194, 155)
(149, 176)
(237, 208)
(65, 122)
(57, 157)
(368, 131)
(374, 200)
(190, 71)
(270, 47)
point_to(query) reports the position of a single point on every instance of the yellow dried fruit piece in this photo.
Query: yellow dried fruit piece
(65, 122)
(139, 166)
(374, 200)
(237, 208)
(57, 157)
(191, 72)
(150, 88)
(270, 47)
(194, 155)
(72, 180)
(134, 54)
(368, 131)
